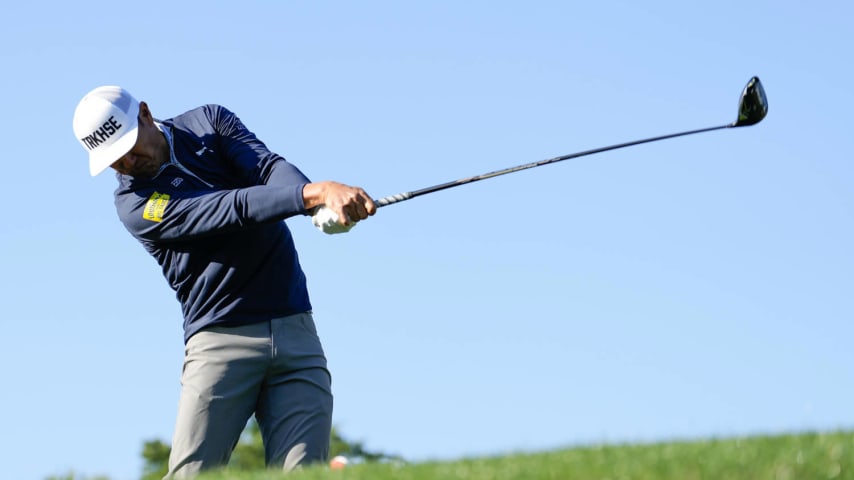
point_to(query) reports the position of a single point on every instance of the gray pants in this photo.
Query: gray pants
(276, 370)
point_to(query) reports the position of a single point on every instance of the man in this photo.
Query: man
(206, 198)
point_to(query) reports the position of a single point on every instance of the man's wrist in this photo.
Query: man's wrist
(313, 194)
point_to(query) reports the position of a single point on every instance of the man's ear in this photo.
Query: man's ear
(145, 113)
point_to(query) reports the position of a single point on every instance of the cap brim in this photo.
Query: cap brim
(102, 159)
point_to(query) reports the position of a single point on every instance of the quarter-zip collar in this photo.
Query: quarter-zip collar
(173, 160)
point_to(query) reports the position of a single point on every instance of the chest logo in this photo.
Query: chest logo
(202, 150)
(155, 206)
(177, 181)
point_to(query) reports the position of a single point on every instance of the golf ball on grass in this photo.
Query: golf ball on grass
(338, 462)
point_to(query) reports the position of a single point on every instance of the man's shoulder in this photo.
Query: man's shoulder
(202, 120)
(206, 112)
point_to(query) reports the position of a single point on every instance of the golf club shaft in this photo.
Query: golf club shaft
(400, 197)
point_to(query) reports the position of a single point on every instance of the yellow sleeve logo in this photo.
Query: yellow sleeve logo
(155, 207)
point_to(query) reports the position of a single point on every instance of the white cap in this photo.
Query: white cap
(105, 124)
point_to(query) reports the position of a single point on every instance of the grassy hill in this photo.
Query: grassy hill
(810, 456)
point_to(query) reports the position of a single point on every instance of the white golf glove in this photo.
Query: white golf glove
(327, 221)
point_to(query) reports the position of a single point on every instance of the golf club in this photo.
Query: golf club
(752, 108)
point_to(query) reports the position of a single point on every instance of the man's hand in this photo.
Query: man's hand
(348, 204)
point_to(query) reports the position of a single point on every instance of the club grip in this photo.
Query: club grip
(382, 202)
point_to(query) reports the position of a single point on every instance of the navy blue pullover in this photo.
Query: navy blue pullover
(212, 218)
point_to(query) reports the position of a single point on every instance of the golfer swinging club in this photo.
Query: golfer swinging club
(206, 199)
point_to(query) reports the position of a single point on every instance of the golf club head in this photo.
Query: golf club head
(752, 106)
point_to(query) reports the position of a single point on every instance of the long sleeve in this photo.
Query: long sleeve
(225, 179)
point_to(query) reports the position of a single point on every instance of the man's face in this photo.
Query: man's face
(148, 153)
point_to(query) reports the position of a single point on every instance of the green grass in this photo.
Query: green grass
(810, 456)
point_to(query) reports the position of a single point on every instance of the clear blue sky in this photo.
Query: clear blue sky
(691, 288)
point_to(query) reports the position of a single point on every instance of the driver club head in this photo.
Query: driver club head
(753, 105)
